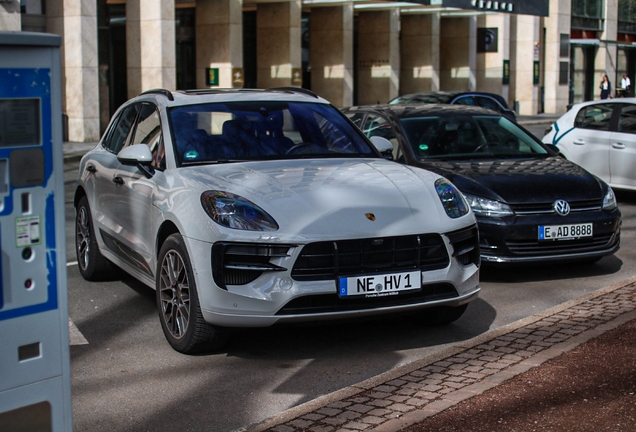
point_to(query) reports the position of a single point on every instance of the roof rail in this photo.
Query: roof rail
(294, 90)
(166, 93)
(214, 90)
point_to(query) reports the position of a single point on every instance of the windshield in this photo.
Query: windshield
(223, 132)
(468, 136)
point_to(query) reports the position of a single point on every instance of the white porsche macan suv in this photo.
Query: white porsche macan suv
(246, 208)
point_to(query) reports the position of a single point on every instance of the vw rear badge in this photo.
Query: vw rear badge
(561, 207)
(370, 216)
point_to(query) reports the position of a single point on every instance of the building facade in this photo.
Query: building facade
(350, 52)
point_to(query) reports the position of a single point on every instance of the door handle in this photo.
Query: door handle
(91, 169)
(618, 145)
(118, 180)
(578, 142)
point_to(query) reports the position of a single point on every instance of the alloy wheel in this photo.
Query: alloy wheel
(175, 294)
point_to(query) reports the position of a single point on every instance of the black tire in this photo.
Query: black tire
(442, 315)
(178, 302)
(92, 265)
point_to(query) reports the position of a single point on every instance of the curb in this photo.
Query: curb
(315, 414)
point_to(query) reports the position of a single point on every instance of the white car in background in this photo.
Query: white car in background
(246, 208)
(601, 137)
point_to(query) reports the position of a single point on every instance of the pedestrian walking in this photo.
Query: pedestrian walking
(606, 87)
(626, 85)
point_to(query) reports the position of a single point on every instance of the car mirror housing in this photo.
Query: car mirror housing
(383, 145)
(135, 154)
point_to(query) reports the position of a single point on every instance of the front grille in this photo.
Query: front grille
(555, 247)
(325, 303)
(329, 260)
(242, 263)
(465, 245)
(546, 208)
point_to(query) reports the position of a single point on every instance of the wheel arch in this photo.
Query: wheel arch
(79, 194)
(166, 229)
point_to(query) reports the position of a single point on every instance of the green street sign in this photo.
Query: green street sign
(212, 76)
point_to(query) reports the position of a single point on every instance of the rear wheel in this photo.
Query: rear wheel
(178, 302)
(92, 265)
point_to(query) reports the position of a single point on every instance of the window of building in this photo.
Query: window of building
(627, 16)
(587, 15)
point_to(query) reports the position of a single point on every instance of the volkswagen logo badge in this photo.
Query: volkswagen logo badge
(370, 216)
(561, 207)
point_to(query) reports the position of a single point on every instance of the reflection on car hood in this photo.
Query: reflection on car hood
(520, 180)
(325, 197)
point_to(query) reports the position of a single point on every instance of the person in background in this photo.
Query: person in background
(626, 85)
(606, 87)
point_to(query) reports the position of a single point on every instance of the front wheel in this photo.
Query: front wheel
(178, 302)
(92, 265)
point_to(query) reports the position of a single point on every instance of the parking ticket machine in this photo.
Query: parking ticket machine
(35, 389)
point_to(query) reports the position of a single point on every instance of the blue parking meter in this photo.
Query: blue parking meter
(35, 390)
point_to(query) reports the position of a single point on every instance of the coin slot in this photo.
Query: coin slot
(28, 352)
(26, 203)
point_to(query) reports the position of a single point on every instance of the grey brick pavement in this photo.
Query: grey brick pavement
(409, 394)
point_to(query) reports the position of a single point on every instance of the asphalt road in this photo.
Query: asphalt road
(127, 378)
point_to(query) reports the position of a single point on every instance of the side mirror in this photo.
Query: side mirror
(383, 145)
(137, 154)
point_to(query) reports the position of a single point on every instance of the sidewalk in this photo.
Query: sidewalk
(412, 393)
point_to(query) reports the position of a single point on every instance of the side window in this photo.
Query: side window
(595, 117)
(489, 103)
(148, 131)
(121, 129)
(464, 100)
(627, 122)
(375, 125)
(356, 118)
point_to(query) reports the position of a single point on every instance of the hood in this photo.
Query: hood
(518, 181)
(330, 196)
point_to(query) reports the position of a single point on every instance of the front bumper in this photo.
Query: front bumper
(515, 239)
(279, 295)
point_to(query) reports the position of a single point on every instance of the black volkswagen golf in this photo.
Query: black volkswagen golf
(531, 204)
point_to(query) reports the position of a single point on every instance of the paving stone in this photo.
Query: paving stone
(360, 408)
(379, 413)
(300, 423)
(358, 426)
(380, 402)
(313, 416)
(372, 420)
(339, 404)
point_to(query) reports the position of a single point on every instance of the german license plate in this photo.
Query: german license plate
(379, 285)
(562, 232)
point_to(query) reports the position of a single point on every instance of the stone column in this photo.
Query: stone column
(219, 36)
(490, 64)
(76, 22)
(557, 27)
(150, 45)
(378, 56)
(331, 53)
(10, 19)
(277, 43)
(605, 62)
(524, 51)
(420, 53)
(458, 54)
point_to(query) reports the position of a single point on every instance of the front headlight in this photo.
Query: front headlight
(488, 208)
(609, 201)
(236, 212)
(452, 200)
